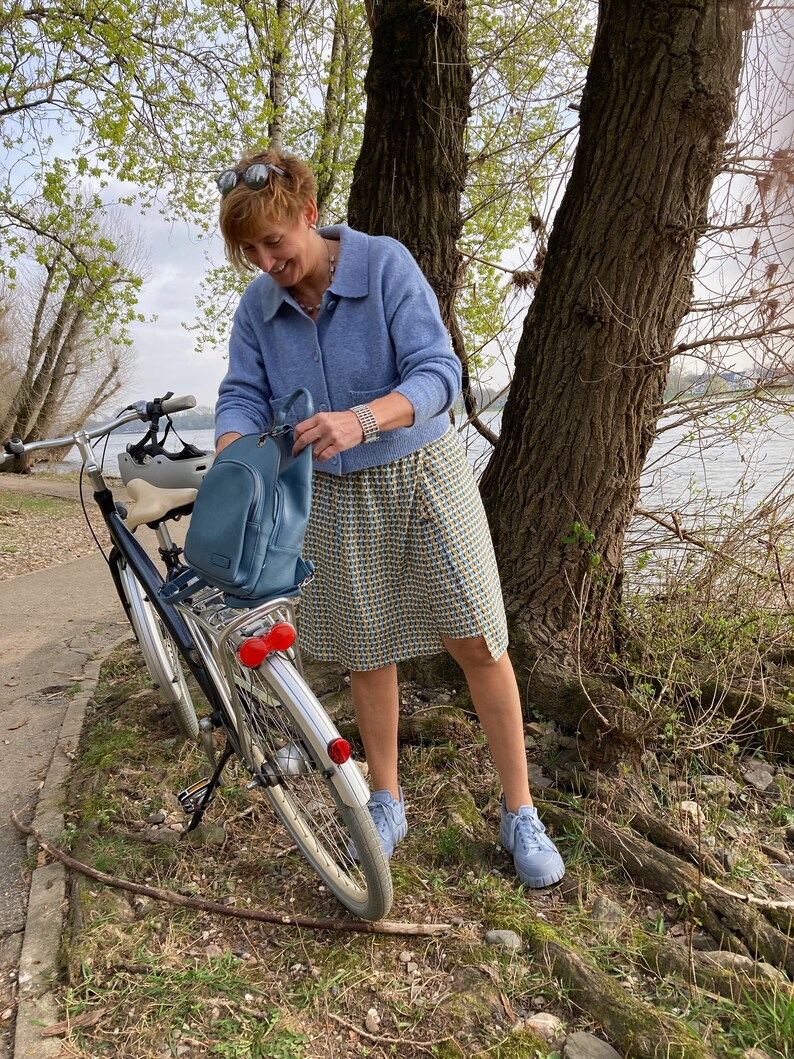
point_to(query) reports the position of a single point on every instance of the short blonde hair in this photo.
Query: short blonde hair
(245, 211)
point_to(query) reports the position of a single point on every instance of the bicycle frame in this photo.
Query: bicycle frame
(270, 718)
(151, 580)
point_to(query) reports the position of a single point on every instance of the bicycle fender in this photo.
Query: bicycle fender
(319, 729)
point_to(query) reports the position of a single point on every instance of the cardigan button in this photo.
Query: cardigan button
(323, 407)
(331, 306)
(316, 356)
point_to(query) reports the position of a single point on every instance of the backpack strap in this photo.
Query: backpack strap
(281, 415)
(179, 588)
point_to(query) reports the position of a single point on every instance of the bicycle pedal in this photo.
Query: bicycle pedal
(192, 798)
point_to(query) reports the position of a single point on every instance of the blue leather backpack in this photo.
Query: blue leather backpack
(249, 518)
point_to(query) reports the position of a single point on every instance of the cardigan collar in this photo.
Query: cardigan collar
(351, 279)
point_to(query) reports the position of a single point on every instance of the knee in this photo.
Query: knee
(472, 651)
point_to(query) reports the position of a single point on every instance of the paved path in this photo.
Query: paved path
(51, 623)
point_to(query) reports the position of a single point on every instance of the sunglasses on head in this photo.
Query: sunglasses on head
(254, 176)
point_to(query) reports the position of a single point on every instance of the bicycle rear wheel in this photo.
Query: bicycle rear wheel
(284, 734)
(160, 654)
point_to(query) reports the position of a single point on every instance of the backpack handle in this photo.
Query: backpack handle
(281, 415)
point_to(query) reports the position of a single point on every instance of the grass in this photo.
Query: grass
(14, 504)
(172, 981)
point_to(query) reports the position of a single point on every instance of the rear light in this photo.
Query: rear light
(253, 651)
(339, 750)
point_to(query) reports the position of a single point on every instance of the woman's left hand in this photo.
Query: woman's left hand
(329, 433)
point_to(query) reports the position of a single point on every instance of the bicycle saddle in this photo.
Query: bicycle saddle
(150, 504)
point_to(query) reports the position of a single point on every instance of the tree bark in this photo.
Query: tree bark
(594, 353)
(411, 171)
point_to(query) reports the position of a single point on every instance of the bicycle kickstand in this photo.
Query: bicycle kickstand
(196, 798)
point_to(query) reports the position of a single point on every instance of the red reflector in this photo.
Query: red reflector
(339, 751)
(281, 636)
(254, 651)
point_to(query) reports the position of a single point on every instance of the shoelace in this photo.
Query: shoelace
(385, 816)
(530, 832)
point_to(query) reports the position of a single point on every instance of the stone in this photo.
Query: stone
(756, 1053)
(206, 835)
(727, 856)
(607, 915)
(692, 814)
(505, 939)
(705, 943)
(536, 777)
(160, 836)
(719, 787)
(156, 818)
(372, 1021)
(586, 1046)
(736, 963)
(759, 775)
(786, 870)
(545, 1025)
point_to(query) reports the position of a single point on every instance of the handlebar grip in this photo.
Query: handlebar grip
(178, 404)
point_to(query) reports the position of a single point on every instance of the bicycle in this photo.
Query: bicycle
(248, 666)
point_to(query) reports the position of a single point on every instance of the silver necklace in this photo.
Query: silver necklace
(310, 310)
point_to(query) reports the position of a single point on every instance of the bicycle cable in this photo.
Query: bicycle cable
(82, 497)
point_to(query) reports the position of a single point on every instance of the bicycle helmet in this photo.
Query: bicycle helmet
(150, 460)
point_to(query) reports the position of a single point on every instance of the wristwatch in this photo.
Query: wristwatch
(369, 423)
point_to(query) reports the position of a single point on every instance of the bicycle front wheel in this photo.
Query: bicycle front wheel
(160, 654)
(284, 734)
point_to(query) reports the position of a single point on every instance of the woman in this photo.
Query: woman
(404, 561)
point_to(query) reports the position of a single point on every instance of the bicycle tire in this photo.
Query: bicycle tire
(159, 653)
(322, 806)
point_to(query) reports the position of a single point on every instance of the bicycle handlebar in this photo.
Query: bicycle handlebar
(178, 404)
(143, 410)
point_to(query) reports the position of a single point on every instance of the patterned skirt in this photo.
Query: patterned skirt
(403, 555)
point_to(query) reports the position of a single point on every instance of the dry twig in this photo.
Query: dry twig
(356, 926)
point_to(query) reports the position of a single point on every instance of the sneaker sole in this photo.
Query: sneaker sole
(539, 882)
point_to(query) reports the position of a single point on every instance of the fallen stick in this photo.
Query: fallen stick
(356, 926)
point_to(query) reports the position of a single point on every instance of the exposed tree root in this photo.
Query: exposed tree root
(772, 717)
(435, 725)
(732, 921)
(640, 1030)
(701, 971)
(604, 790)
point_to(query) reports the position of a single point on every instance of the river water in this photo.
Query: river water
(685, 467)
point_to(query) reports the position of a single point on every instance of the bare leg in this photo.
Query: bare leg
(376, 702)
(494, 692)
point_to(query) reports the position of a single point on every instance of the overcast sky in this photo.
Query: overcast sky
(166, 356)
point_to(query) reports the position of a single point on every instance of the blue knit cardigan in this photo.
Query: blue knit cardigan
(379, 331)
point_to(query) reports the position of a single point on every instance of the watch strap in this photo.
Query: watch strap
(369, 423)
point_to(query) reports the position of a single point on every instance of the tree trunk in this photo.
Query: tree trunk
(278, 78)
(411, 171)
(593, 357)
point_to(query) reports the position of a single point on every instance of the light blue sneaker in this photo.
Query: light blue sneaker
(388, 816)
(535, 856)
